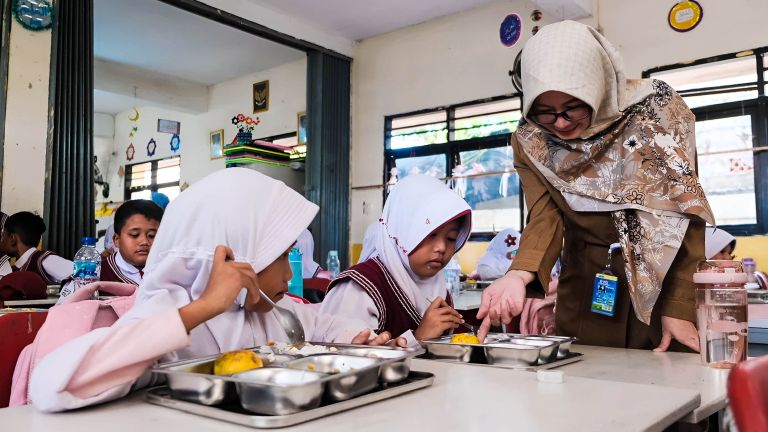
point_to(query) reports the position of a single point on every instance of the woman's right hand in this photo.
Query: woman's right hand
(503, 300)
(226, 280)
(438, 318)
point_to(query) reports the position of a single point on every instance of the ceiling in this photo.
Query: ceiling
(152, 35)
(361, 19)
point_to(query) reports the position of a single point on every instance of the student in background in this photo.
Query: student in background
(719, 244)
(136, 223)
(498, 257)
(399, 286)
(309, 268)
(21, 235)
(5, 260)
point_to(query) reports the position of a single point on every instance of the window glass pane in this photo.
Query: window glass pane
(736, 71)
(141, 175)
(714, 99)
(419, 119)
(436, 133)
(740, 70)
(765, 73)
(168, 170)
(171, 191)
(142, 194)
(487, 125)
(486, 108)
(494, 198)
(727, 174)
(433, 165)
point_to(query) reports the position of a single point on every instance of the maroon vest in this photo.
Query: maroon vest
(397, 314)
(110, 272)
(35, 265)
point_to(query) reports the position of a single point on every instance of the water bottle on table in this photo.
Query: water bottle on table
(333, 264)
(87, 265)
(452, 273)
(296, 284)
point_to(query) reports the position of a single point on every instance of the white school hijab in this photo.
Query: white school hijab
(715, 240)
(259, 218)
(417, 206)
(496, 260)
(306, 244)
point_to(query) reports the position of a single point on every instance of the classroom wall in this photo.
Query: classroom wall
(459, 58)
(287, 97)
(26, 120)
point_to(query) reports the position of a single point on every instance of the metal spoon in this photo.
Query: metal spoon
(471, 328)
(289, 321)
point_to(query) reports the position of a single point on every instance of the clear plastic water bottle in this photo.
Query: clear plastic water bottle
(87, 264)
(749, 266)
(296, 284)
(452, 273)
(332, 263)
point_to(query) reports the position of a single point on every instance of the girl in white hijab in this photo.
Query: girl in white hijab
(399, 286)
(213, 251)
(719, 244)
(306, 244)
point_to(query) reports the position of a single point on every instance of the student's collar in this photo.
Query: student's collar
(20, 261)
(124, 265)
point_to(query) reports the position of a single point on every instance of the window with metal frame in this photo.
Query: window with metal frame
(161, 175)
(727, 94)
(468, 146)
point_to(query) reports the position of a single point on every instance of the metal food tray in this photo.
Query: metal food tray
(506, 350)
(233, 413)
(288, 384)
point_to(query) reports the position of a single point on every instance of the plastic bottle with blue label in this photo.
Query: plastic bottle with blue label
(296, 284)
(332, 263)
(87, 264)
(452, 272)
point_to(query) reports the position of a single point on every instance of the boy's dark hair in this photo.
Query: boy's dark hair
(146, 208)
(28, 226)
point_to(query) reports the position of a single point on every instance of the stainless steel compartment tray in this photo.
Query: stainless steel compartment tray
(503, 349)
(233, 413)
(346, 376)
(192, 379)
(573, 357)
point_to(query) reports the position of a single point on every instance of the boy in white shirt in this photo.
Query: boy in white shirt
(20, 236)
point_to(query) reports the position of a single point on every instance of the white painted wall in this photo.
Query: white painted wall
(641, 33)
(151, 87)
(287, 97)
(459, 58)
(26, 120)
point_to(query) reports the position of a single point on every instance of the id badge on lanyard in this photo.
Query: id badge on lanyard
(605, 288)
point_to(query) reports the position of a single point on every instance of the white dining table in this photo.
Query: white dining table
(463, 397)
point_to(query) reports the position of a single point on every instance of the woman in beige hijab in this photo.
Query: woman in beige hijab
(607, 165)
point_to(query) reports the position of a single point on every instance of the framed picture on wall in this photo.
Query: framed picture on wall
(261, 96)
(168, 126)
(216, 139)
(301, 127)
